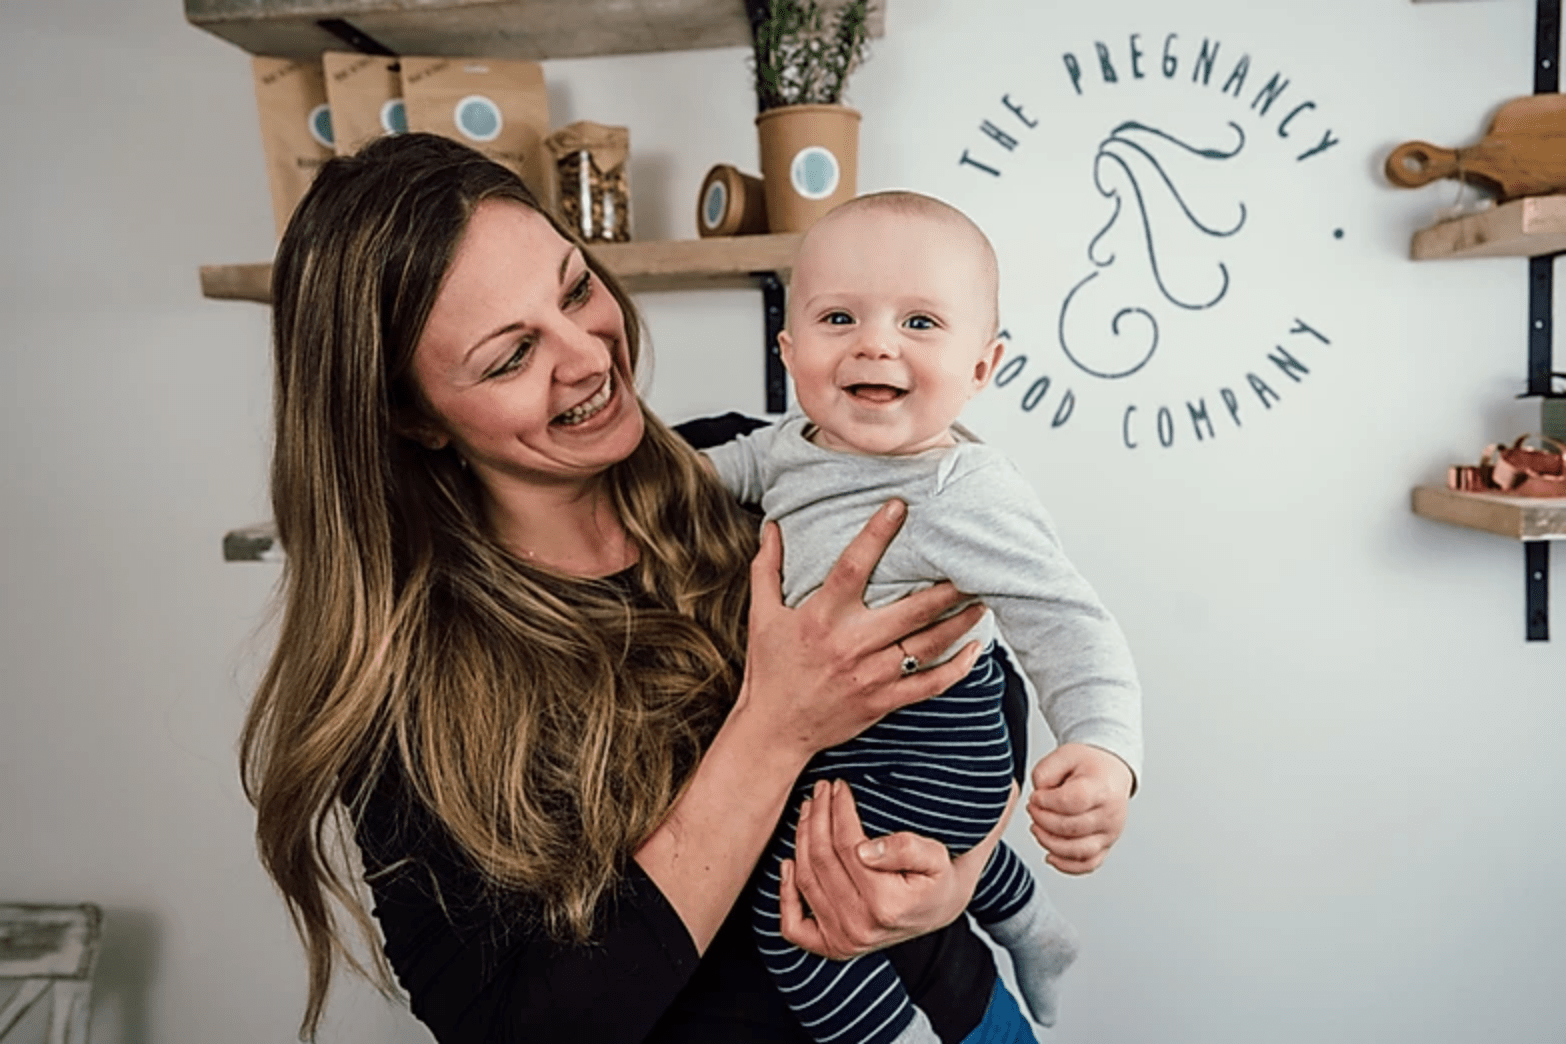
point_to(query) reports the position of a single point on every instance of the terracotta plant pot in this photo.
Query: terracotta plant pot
(809, 162)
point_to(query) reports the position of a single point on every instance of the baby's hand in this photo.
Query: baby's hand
(1078, 805)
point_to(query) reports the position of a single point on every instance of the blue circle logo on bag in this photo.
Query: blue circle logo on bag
(715, 205)
(814, 172)
(394, 117)
(320, 123)
(478, 118)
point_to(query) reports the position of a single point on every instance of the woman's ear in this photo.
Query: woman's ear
(423, 431)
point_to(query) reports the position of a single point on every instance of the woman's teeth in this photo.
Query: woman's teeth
(580, 412)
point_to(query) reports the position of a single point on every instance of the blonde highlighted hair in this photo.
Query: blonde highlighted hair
(544, 721)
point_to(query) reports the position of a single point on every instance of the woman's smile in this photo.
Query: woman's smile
(584, 411)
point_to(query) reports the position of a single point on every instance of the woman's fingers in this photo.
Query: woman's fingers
(904, 853)
(798, 929)
(824, 671)
(766, 570)
(928, 643)
(921, 611)
(848, 833)
(924, 684)
(822, 879)
(845, 584)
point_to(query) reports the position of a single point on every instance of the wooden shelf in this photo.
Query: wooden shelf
(1525, 227)
(681, 264)
(534, 29)
(1521, 518)
(257, 543)
(689, 264)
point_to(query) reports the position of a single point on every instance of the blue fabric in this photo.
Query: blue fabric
(1003, 1022)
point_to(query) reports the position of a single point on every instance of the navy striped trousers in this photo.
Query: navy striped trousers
(941, 768)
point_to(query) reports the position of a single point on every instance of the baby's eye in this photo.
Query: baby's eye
(921, 322)
(837, 318)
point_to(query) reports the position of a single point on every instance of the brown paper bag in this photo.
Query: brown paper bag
(365, 94)
(296, 128)
(591, 179)
(498, 106)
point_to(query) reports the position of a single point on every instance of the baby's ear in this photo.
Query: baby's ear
(786, 349)
(989, 359)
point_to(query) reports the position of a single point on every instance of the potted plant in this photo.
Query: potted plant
(802, 57)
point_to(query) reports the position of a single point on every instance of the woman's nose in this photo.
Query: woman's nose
(580, 354)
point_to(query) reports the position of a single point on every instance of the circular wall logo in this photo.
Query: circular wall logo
(814, 172)
(394, 117)
(320, 123)
(478, 118)
(1152, 182)
(715, 205)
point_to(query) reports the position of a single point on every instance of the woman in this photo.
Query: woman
(515, 663)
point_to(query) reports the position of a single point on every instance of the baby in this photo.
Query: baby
(891, 330)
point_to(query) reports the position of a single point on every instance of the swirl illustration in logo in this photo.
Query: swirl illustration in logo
(1124, 152)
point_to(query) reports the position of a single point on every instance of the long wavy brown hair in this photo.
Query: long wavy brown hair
(544, 721)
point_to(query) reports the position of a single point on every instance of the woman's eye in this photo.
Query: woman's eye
(581, 290)
(921, 322)
(513, 361)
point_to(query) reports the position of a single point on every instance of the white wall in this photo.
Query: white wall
(1351, 826)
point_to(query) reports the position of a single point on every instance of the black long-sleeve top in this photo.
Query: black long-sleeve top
(479, 968)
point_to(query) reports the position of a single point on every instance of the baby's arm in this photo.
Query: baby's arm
(740, 464)
(987, 532)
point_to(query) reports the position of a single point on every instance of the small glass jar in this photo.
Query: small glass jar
(594, 191)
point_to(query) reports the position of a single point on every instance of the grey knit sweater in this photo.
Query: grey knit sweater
(973, 519)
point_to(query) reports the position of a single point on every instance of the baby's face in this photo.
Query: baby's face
(891, 330)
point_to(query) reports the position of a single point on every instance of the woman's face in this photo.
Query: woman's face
(523, 362)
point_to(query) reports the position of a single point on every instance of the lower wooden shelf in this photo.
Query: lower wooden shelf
(1526, 227)
(676, 264)
(1521, 518)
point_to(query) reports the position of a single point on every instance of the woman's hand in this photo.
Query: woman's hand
(824, 672)
(866, 895)
(814, 677)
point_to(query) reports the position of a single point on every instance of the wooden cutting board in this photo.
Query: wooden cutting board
(1523, 154)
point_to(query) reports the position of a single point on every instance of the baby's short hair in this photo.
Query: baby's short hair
(917, 204)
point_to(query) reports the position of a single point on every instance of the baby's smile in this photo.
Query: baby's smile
(875, 393)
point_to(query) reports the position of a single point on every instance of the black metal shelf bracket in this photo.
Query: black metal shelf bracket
(1547, 47)
(1536, 558)
(773, 302)
(1541, 319)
